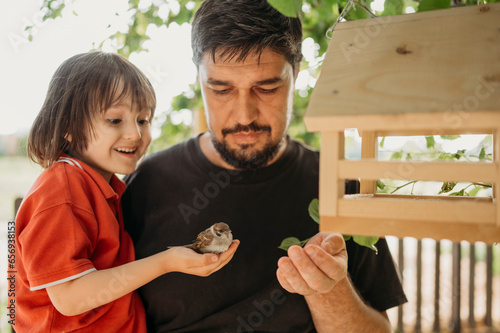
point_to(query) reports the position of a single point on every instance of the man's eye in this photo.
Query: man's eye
(221, 92)
(268, 91)
(114, 121)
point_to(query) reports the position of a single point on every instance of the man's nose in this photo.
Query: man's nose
(245, 109)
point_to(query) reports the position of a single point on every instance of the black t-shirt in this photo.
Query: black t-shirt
(178, 192)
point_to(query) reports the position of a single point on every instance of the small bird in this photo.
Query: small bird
(215, 239)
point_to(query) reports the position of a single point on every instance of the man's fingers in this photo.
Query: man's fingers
(290, 278)
(316, 268)
(333, 243)
(283, 281)
(334, 267)
(309, 263)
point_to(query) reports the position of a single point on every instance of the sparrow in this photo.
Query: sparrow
(215, 239)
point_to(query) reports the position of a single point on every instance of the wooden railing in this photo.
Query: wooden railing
(450, 299)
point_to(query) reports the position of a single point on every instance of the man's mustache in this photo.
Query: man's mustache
(246, 128)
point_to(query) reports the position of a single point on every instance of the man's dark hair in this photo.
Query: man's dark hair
(237, 28)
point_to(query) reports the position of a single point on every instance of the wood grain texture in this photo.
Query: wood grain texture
(431, 73)
(416, 63)
(418, 170)
(411, 228)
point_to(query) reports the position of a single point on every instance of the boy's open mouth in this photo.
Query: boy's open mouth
(126, 150)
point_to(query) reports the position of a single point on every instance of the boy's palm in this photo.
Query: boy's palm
(187, 261)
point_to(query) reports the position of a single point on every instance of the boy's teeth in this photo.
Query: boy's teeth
(125, 150)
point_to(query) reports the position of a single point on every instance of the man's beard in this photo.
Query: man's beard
(243, 158)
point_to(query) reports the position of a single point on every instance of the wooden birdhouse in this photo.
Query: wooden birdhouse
(430, 73)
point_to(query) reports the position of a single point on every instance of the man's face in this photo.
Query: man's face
(248, 106)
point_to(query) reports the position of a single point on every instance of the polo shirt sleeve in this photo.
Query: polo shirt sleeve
(58, 243)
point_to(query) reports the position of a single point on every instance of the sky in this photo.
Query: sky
(27, 67)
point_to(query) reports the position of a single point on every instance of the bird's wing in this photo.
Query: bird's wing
(204, 239)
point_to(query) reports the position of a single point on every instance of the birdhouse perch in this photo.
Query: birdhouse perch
(430, 73)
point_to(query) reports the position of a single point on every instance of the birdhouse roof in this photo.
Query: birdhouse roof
(430, 62)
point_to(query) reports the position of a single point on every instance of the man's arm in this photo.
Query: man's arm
(319, 273)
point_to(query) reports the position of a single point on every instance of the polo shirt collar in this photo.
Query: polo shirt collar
(112, 190)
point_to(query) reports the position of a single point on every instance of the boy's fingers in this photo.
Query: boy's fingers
(223, 258)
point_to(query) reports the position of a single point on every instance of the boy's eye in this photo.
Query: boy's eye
(114, 121)
(144, 121)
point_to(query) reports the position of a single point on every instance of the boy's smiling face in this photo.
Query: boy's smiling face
(120, 138)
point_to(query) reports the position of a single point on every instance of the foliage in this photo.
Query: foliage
(367, 241)
(434, 152)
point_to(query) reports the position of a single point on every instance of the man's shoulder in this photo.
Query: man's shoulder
(304, 152)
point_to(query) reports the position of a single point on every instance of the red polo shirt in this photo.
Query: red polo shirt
(70, 224)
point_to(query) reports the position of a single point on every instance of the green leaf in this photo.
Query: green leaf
(460, 193)
(368, 241)
(382, 142)
(397, 155)
(290, 8)
(482, 154)
(314, 210)
(346, 237)
(426, 5)
(475, 190)
(393, 7)
(380, 184)
(430, 141)
(450, 137)
(459, 154)
(447, 187)
(290, 241)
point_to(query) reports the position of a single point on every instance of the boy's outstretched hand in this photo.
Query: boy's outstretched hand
(185, 260)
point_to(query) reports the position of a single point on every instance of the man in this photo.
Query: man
(246, 172)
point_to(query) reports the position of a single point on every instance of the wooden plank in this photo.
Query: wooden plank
(377, 67)
(439, 122)
(369, 145)
(428, 132)
(330, 187)
(455, 320)
(419, 170)
(434, 197)
(406, 228)
(366, 206)
(496, 159)
(428, 15)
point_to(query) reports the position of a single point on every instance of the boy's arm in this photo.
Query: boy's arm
(87, 292)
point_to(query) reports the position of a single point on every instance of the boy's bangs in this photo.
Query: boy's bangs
(122, 84)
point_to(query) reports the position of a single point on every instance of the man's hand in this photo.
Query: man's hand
(316, 268)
